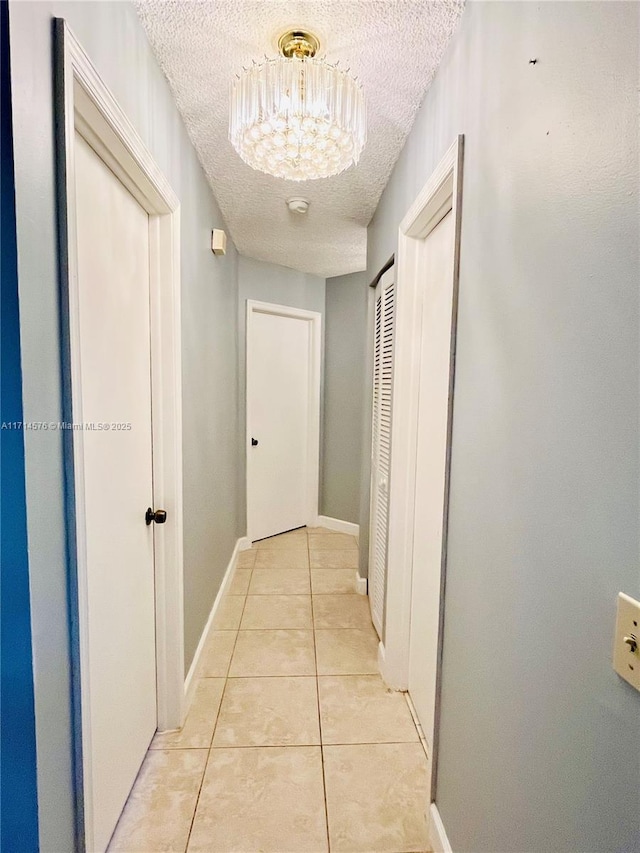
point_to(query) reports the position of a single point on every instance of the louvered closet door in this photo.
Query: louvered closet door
(381, 445)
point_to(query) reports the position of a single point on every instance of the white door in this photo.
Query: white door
(119, 664)
(384, 325)
(431, 464)
(282, 414)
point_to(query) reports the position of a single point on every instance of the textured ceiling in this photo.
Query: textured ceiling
(392, 46)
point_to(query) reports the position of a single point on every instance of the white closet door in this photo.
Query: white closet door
(119, 650)
(431, 468)
(381, 445)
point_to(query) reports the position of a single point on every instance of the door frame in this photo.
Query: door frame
(84, 103)
(314, 318)
(441, 193)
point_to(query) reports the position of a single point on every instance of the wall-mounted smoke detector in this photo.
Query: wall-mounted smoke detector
(297, 204)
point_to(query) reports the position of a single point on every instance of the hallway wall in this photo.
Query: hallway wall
(537, 730)
(117, 45)
(265, 282)
(344, 398)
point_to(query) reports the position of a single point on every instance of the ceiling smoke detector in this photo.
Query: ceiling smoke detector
(298, 205)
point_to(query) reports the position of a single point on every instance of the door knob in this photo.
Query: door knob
(159, 516)
(254, 442)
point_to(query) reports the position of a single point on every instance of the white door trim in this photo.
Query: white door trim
(315, 366)
(442, 193)
(84, 103)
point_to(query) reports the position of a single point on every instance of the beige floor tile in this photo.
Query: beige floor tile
(333, 581)
(268, 712)
(282, 559)
(216, 654)
(229, 613)
(388, 813)
(347, 652)
(239, 582)
(246, 559)
(197, 731)
(360, 709)
(269, 800)
(333, 541)
(159, 811)
(341, 611)
(260, 653)
(330, 559)
(276, 611)
(293, 539)
(279, 582)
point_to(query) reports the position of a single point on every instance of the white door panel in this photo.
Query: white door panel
(113, 269)
(279, 352)
(433, 415)
(384, 325)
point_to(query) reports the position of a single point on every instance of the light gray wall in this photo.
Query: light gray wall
(117, 45)
(265, 282)
(539, 737)
(344, 395)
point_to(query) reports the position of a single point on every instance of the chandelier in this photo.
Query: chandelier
(297, 117)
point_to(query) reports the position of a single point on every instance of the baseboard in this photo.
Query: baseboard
(244, 544)
(437, 833)
(337, 525)
(361, 584)
(191, 680)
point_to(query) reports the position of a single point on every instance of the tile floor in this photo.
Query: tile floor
(292, 743)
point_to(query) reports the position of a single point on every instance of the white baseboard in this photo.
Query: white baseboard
(244, 544)
(437, 833)
(361, 584)
(191, 680)
(337, 525)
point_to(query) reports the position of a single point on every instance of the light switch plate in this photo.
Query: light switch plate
(626, 658)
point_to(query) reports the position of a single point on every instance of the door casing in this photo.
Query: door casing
(441, 193)
(84, 102)
(315, 365)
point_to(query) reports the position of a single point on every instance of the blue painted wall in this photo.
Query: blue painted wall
(19, 806)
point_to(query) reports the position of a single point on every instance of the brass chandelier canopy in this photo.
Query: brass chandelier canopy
(298, 44)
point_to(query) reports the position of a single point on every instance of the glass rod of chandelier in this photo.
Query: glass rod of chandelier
(297, 118)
